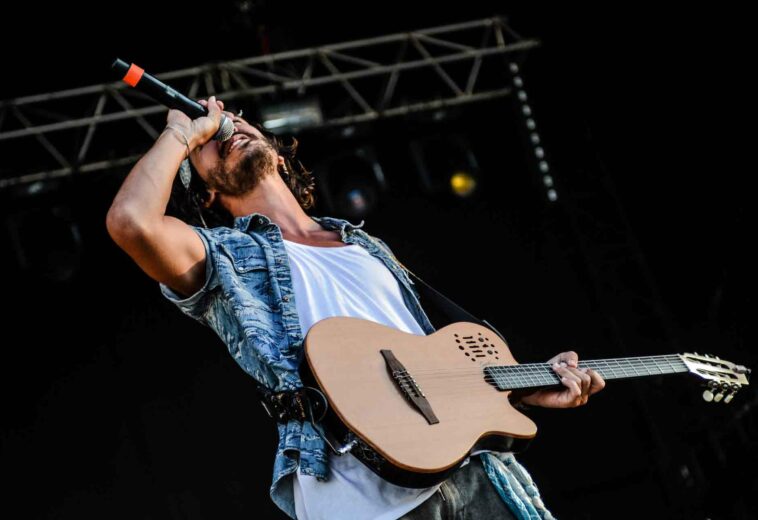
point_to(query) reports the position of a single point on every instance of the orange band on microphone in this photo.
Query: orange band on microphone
(133, 75)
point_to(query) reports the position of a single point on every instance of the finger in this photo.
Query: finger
(598, 383)
(578, 393)
(214, 112)
(571, 381)
(233, 118)
(568, 358)
(571, 358)
(586, 380)
(221, 104)
(202, 102)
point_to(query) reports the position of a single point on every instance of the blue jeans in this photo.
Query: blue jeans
(468, 494)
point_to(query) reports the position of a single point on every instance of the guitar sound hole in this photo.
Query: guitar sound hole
(474, 347)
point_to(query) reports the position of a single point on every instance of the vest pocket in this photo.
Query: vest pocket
(248, 279)
(245, 259)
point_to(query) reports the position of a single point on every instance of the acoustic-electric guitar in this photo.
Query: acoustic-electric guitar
(412, 407)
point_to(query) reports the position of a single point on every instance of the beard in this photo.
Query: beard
(256, 162)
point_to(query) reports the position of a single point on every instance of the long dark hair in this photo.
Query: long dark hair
(187, 204)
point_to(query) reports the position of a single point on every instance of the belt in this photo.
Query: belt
(302, 404)
(309, 404)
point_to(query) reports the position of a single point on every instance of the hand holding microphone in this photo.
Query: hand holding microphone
(203, 129)
(201, 117)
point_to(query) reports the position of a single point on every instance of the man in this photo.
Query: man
(265, 276)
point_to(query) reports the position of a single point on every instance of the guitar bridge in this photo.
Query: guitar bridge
(408, 386)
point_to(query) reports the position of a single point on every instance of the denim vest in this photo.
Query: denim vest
(248, 300)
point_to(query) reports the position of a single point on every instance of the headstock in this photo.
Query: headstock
(723, 377)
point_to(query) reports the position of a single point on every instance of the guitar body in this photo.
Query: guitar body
(415, 426)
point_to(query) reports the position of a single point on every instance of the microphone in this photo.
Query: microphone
(136, 77)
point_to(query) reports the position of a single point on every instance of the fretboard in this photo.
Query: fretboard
(532, 375)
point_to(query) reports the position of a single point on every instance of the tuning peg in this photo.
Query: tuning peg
(734, 387)
(708, 393)
(724, 389)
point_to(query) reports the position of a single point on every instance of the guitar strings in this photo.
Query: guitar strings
(544, 368)
(540, 374)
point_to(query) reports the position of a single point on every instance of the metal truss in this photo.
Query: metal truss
(81, 130)
(626, 295)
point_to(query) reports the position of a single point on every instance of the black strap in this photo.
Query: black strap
(452, 310)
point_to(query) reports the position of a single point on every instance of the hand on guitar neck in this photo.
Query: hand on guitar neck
(579, 383)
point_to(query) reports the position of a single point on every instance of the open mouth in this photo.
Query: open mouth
(235, 141)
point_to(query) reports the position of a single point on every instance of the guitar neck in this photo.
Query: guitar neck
(535, 375)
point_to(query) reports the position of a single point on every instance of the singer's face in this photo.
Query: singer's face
(236, 166)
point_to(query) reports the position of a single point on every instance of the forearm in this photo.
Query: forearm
(144, 194)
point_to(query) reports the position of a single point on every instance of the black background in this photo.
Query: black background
(118, 406)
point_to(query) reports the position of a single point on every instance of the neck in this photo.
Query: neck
(273, 198)
(537, 375)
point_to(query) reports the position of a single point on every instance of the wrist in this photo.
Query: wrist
(181, 134)
(197, 136)
(195, 140)
(519, 400)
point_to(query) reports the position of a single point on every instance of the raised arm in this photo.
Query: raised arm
(166, 248)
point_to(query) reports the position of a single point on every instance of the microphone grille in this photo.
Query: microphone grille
(225, 130)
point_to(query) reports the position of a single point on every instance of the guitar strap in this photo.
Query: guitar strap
(452, 310)
(449, 308)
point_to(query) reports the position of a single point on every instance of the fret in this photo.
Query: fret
(533, 375)
(621, 372)
(621, 368)
(629, 369)
(536, 375)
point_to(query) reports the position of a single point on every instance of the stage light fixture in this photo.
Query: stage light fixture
(462, 183)
(351, 183)
(291, 116)
(445, 163)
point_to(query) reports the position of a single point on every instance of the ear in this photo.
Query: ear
(210, 199)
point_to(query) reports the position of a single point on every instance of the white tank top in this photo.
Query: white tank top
(349, 281)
